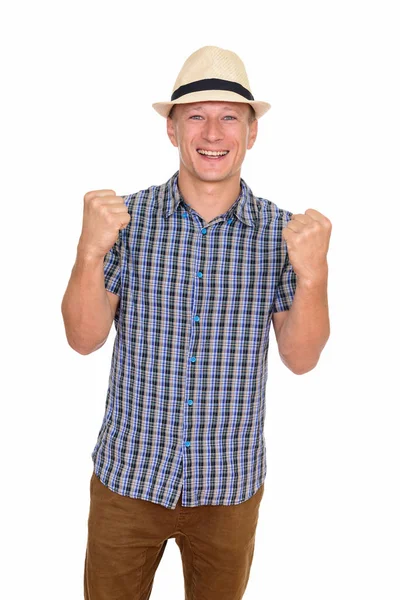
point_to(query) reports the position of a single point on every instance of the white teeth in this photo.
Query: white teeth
(209, 153)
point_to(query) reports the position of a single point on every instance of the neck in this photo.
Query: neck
(208, 198)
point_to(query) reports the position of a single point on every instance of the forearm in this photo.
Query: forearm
(306, 330)
(85, 307)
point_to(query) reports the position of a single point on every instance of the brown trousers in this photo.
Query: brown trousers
(127, 538)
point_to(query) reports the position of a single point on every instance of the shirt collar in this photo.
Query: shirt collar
(245, 207)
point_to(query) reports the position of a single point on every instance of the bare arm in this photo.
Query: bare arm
(88, 309)
(303, 331)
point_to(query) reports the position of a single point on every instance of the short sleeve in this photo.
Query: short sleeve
(112, 267)
(286, 287)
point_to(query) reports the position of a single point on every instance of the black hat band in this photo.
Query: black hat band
(212, 84)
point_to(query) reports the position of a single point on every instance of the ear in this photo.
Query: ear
(171, 131)
(252, 134)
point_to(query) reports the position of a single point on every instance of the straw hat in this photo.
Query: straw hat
(212, 73)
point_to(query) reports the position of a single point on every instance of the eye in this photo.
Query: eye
(226, 117)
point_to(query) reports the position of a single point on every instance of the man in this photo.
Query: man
(192, 272)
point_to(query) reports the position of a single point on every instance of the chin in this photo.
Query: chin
(207, 176)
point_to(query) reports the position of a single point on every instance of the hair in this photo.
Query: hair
(252, 113)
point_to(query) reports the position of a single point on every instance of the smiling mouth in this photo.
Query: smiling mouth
(214, 157)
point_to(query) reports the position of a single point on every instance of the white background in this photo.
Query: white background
(78, 81)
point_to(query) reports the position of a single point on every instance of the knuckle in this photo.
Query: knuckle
(91, 198)
(103, 210)
(88, 196)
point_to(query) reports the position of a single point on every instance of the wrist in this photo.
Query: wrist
(317, 279)
(88, 255)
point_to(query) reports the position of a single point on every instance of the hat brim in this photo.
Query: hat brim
(164, 108)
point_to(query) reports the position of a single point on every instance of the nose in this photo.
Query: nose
(212, 129)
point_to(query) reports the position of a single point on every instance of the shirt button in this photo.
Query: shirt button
(187, 444)
(185, 215)
(190, 402)
(197, 318)
(193, 359)
(230, 221)
(199, 274)
(204, 231)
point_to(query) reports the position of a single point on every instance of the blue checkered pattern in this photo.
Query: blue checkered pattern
(185, 405)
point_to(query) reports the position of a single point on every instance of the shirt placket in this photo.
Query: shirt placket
(200, 271)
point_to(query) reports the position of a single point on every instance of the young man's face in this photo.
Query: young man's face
(212, 126)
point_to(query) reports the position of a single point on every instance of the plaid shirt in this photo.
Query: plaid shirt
(185, 404)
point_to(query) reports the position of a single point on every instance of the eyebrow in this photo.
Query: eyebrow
(199, 107)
